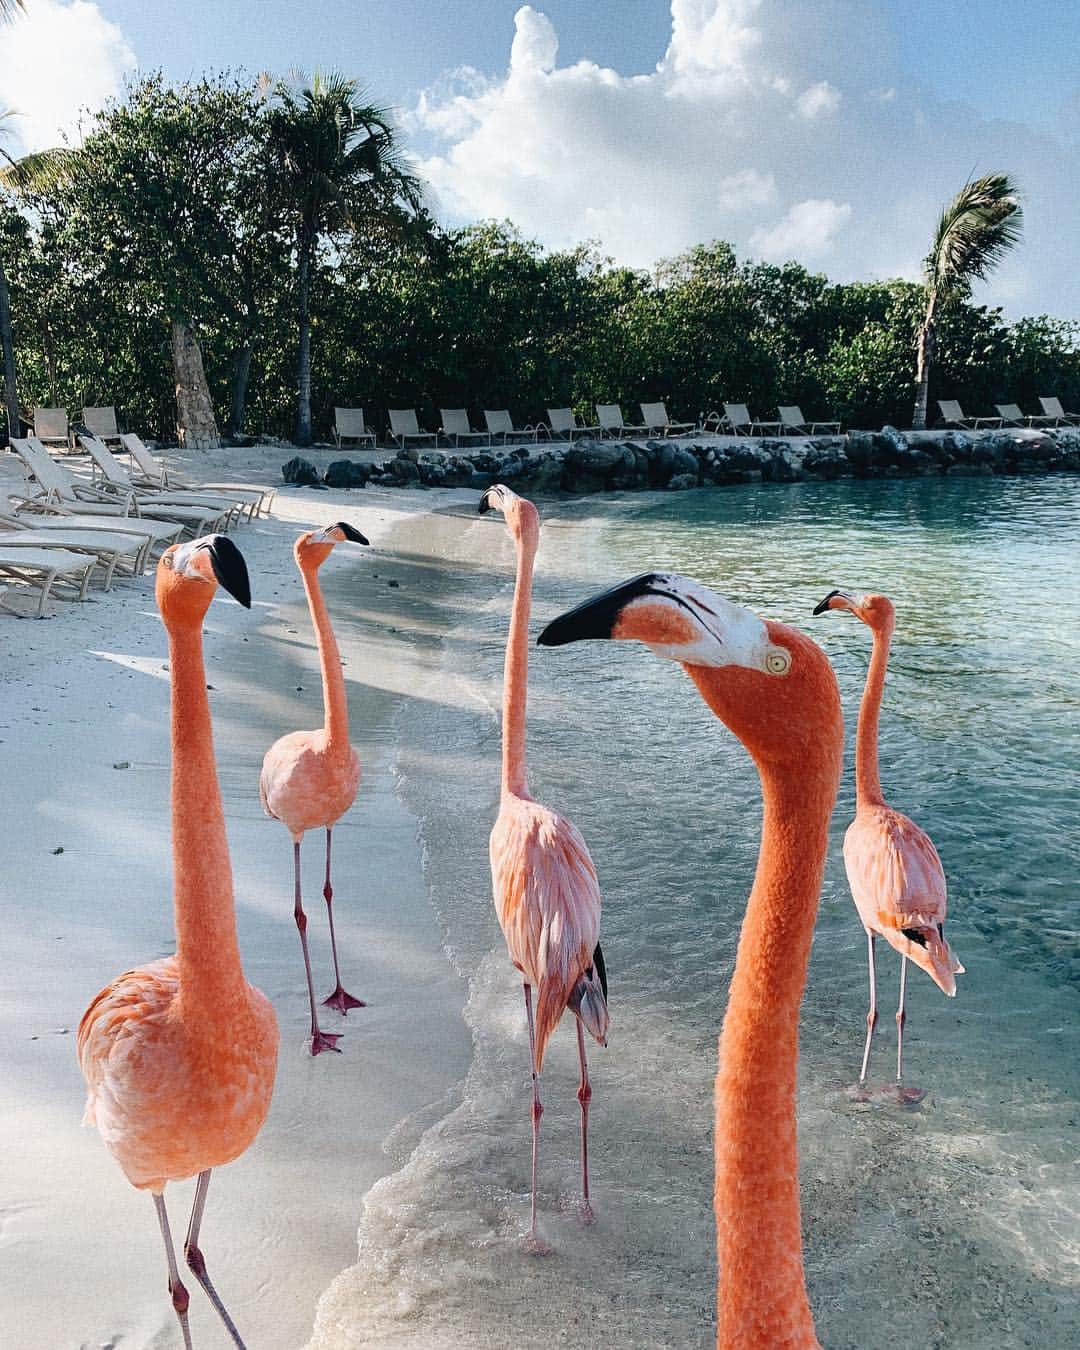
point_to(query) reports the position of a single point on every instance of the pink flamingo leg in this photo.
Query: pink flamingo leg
(194, 1257)
(871, 1016)
(537, 1111)
(339, 999)
(320, 1040)
(177, 1290)
(584, 1096)
(901, 1018)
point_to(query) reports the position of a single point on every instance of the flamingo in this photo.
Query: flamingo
(893, 868)
(776, 691)
(179, 1056)
(309, 778)
(543, 880)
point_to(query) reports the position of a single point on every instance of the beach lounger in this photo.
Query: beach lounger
(349, 425)
(563, 423)
(116, 478)
(101, 422)
(952, 416)
(655, 416)
(738, 422)
(153, 473)
(151, 536)
(46, 568)
(1052, 408)
(1013, 416)
(456, 428)
(610, 418)
(791, 419)
(51, 425)
(109, 549)
(500, 423)
(404, 427)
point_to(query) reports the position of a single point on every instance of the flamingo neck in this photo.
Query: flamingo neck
(867, 780)
(206, 946)
(335, 704)
(516, 674)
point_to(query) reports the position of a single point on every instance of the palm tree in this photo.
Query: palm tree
(977, 228)
(336, 161)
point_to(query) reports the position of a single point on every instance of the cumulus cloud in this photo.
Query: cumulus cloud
(790, 127)
(56, 60)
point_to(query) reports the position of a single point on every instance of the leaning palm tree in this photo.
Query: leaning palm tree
(977, 228)
(336, 161)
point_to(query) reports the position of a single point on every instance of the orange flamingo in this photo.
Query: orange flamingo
(893, 868)
(544, 883)
(309, 778)
(776, 691)
(179, 1056)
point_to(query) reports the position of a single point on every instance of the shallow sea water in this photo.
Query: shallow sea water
(955, 1224)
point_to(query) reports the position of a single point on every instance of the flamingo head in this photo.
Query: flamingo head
(769, 684)
(876, 611)
(189, 574)
(522, 518)
(313, 548)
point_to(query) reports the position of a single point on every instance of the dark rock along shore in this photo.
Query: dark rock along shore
(588, 466)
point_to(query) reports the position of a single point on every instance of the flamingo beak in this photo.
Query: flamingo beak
(595, 618)
(842, 601)
(348, 532)
(229, 567)
(490, 500)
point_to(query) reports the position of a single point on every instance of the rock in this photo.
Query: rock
(300, 471)
(346, 473)
(409, 452)
(826, 459)
(404, 469)
(681, 481)
(589, 465)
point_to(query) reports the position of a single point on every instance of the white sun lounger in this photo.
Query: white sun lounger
(1052, 408)
(792, 419)
(109, 549)
(500, 423)
(1014, 416)
(738, 422)
(101, 422)
(655, 416)
(456, 428)
(952, 415)
(610, 418)
(349, 425)
(154, 473)
(404, 427)
(117, 478)
(46, 568)
(51, 424)
(563, 423)
(149, 535)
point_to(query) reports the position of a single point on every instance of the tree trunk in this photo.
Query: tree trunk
(7, 343)
(241, 375)
(302, 434)
(49, 352)
(923, 360)
(196, 426)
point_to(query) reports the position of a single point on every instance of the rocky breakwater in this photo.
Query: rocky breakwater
(589, 466)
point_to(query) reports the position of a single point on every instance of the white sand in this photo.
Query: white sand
(84, 693)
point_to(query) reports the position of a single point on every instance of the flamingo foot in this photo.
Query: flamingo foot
(534, 1245)
(342, 1001)
(877, 1095)
(323, 1040)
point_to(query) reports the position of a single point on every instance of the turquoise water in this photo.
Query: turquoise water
(956, 1224)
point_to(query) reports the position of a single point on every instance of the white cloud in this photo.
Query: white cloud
(56, 60)
(790, 127)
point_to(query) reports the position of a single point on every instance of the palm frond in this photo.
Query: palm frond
(37, 171)
(977, 228)
(9, 8)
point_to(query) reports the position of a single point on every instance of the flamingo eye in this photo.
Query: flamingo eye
(778, 661)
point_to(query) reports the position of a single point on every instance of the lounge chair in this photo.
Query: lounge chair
(51, 424)
(147, 535)
(952, 416)
(1052, 408)
(791, 419)
(456, 428)
(57, 485)
(46, 568)
(101, 422)
(117, 479)
(349, 425)
(563, 423)
(109, 549)
(153, 473)
(500, 423)
(655, 416)
(738, 422)
(610, 417)
(404, 427)
(1012, 416)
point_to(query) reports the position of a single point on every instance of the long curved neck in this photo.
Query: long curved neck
(516, 674)
(206, 944)
(867, 780)
(335, 704)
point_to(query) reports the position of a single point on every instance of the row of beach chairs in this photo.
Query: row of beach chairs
(1008, 415)
(63, 529)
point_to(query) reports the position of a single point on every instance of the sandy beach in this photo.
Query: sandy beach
(84, 745)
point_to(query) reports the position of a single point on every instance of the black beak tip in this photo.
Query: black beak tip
(230, 568)
(350, 532)
(820, 609)
(485, 505)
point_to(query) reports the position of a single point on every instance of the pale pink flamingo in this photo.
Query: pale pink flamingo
(776, 691)
(309, 778)
(543, 880)
(893, 868)
(179, 1056)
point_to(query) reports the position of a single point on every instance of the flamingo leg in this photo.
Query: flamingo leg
(320, 1040)
(177, 1290)
(901, 1018)
(339, 999)
(194, 1257)
(537, 1107)
(584, 1096)
(871, 1016)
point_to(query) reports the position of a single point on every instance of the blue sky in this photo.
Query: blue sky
(827, 130)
